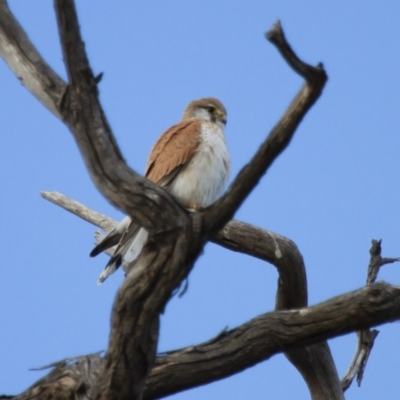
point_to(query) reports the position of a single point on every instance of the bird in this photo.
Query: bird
(191, 161)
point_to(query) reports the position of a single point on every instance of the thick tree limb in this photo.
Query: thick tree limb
(174, 237)
(335, 315)
(254, 342)
(27, 64)
(275, 249)
(313, 362)
(237, 236)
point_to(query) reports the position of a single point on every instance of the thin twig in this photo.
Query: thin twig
(366, 338)
(376, 261)
(93, 217)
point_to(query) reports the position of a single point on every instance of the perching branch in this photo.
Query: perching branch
(267, 246)
(314, 362)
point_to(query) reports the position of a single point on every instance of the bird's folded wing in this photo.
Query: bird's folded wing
(173, 149)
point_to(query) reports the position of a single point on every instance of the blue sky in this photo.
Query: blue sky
(334, 189)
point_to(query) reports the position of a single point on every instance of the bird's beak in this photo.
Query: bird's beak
(222, 118)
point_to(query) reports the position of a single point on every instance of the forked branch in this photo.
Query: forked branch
(313, 362)
(366, 337)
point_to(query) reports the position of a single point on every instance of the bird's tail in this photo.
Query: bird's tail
(126, 257)
(110, 268)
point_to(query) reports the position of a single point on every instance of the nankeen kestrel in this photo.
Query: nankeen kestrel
(191, 161)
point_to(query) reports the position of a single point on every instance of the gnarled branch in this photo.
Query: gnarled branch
(313, 362)
(237, 349)
(176, 237)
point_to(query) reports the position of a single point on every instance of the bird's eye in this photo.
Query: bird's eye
(211, 109)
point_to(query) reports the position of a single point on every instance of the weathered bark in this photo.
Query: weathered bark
(292, 290)
(237, 349)
(314, 362)
(260, 338)
(161, 268)
(281, 252)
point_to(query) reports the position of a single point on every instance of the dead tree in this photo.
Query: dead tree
(131, 368)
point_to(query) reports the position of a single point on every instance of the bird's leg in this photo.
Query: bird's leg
(192, 207)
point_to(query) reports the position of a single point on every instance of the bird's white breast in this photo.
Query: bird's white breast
(201, 182)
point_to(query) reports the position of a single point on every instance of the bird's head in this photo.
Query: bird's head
(207, 109)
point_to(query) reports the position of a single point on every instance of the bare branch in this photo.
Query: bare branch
(93, 217)
(27, 64)
(218, 214)
(275, 249)
(258, 339)
(314, 362)
(376, 261)
(366, 338)
(237, 236)
(277, 37)
(72, 378)
(237, 349)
